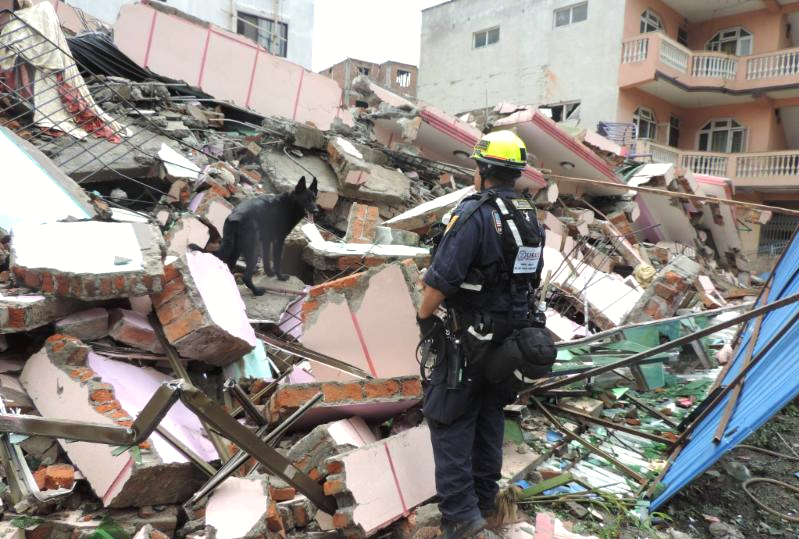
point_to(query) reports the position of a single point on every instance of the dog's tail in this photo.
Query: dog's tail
(193, 247)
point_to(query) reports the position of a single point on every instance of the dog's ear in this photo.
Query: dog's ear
(314, 186)
(300, 186)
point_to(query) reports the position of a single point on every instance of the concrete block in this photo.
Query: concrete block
(347, 319)
(186, 230)
(238, 508)
(372, 400)
(379, 483)
(311, 452)
(202, 312)
(364, 180)
(133, 329)
(108, 392)
(160, 524)
(212, 207)
(89, 260)
(584, 405)
(517, 460)
(19, 312)
(362, 224)
(268, 308)
(88, 325)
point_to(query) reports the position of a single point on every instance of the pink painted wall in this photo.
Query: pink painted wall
(632, 17)
(227, 66)
(765, 134)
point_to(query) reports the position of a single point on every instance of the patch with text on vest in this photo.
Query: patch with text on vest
(527, 259)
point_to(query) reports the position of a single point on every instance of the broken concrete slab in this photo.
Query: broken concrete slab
(132, 328)
(372, 400)
(88, 325)
(89, 260)
(24, 311)
(176, 165)
(310, 453)
(329, 255)
(422, 216)
(347, 319)
(517, 460)
(202, 312)
(66, 380)
(47, 194)
(364, 180)
(268, 308)
(186, 230)
(667, 292)
(283, 172)
(379, 483)
(238, 508)
(211, 207)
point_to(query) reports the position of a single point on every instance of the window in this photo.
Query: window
(363, 71)
(570, 15)
(735, 41)
(644, 120)
(483, 38)
(682, 36)
(725, 135)
(563, 111)
(271, 35)
(674, 132)
(403, 78)
(651, 22)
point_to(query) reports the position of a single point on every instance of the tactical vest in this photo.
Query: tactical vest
(522, 247)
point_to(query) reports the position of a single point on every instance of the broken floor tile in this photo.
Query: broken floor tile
(108, 392)
(372, 400)
(89, 260)
(377, 484)
(348, 319)
(202, 312)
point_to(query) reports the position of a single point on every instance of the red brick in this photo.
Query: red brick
(672, 277)
(293, 397)
(169, 311)
(412, 387)
(342, 520)
(120, 284)
(273, 520)
(33, 279)
(301, 519)
(75, 286)
(48, 283)
(334, 467)
(171, 272)
(102, 396)
(59, 476)
(106, 286)
(282, 494)
(334, 486)
(665, 291)
(90, 287)
(336, 392)
(184, 325)
(39, 477)
(108, 406)
(171, 289)
(62, 285)
(16, 317)
(376, 389)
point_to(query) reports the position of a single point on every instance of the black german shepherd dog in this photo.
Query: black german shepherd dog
(269, 218)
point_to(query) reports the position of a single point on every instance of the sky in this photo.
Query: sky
(372, 30)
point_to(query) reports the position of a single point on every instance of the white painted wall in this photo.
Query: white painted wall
(533, 62)
(299, 14)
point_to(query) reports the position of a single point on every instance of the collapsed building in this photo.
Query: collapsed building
(144, 389)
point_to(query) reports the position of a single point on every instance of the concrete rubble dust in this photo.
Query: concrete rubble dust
(112, 204)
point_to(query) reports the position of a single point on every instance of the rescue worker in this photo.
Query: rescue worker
(484, 272)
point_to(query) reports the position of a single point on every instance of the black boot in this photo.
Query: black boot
(462, 529)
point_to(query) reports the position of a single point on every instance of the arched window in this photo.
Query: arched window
(724, 135)
(735, 41)
(645, 124)
(651, 22)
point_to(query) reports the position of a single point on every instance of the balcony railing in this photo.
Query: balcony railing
(642, 55)
(750, 169)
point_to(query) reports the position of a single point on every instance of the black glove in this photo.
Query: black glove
(429, 326)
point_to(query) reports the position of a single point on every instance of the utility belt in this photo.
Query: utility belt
(504, 349)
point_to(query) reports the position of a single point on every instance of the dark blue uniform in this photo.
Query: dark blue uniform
(467, 424)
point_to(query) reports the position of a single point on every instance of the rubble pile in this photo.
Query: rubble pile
(160, 397)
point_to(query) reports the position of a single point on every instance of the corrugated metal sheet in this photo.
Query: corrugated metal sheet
(770, 385)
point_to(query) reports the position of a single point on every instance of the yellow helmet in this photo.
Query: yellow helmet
(502, 148)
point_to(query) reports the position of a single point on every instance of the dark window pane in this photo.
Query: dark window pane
(562, 17)
(703, 147)
(480, 39)
(737, 142)
(493, 36)
(579, 13)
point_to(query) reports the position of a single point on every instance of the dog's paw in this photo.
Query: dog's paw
(282, 277)
(258, 291)
(269, 273)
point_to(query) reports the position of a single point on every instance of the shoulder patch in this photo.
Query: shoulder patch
(452, 221)
(497, 221)
(521, 204)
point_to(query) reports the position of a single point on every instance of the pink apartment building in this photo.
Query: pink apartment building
(709, 85)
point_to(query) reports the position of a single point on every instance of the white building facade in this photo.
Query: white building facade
(284, 27)
(476, 53)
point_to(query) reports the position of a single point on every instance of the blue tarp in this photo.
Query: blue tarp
(768, 387)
